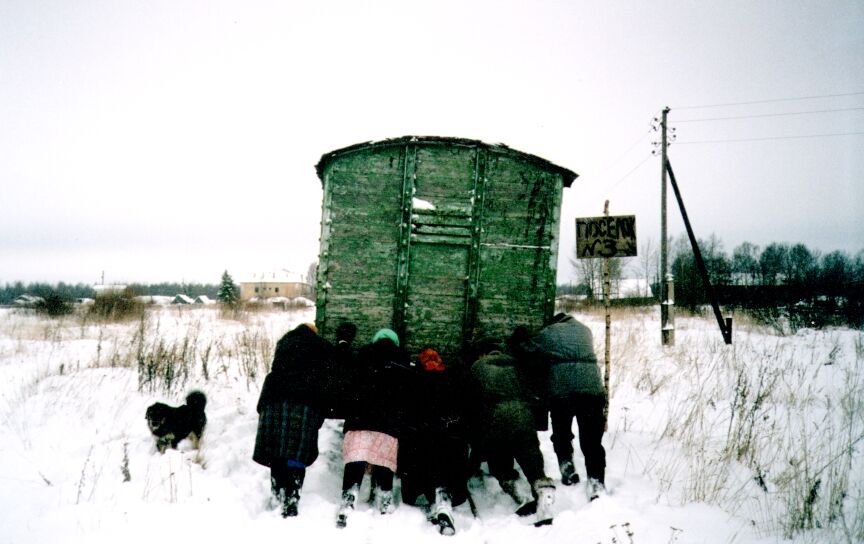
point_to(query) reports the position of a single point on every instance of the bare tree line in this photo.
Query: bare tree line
(751, 276)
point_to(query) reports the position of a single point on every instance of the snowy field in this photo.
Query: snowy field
(751, 443)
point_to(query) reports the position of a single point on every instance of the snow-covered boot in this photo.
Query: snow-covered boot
(279, 497)
(442, 512)
(545, 492)
(569, 476)
(384, 501)
(349, 499)
(291, 497)
(526, 505)
(595, 489)
(278, 494)
(289, 507)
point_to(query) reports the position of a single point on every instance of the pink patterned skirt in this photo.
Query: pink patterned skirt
(370, 446)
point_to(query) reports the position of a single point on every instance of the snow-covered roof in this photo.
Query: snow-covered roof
(27, 300)
(204, 299)
(155, 299)
(108, 287)
(182, 299)
(632, 288)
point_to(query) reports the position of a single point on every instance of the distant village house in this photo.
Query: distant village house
(28, 301)
(275, 284)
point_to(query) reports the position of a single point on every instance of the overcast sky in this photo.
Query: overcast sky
(172, 140)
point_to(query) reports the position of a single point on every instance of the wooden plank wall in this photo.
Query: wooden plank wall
(358, 271)
(520, 231)
(516, 207)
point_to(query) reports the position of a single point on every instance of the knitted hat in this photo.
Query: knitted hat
(430, 360)
(388, 334)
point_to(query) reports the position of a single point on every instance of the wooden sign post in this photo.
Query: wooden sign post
(606, 237)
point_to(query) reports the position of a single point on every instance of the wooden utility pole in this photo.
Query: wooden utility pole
(667, 312)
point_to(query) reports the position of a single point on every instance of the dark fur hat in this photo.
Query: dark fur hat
(346, 332)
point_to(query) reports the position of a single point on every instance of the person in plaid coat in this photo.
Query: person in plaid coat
(291, 410)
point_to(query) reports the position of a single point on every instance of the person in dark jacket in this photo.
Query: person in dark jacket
(373, 421)
(291, 410)
(433, 448)
(565, 348)
(344, 357)
(507, 428)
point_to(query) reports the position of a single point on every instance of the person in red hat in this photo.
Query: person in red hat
(433, 449)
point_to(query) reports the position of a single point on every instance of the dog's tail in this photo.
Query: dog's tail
(196, 400)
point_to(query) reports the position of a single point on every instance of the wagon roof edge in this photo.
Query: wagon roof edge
(568, 175)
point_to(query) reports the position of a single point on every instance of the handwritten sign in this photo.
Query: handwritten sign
(606, 236)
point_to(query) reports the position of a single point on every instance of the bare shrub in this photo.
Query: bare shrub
(252, 351)
(165, 363)
(124, 467)
(54, 304)
(116, 306)
(768, 427)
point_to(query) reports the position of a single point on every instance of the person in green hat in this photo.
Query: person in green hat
(373, 421)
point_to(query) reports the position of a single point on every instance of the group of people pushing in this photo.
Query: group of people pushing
(432, 423)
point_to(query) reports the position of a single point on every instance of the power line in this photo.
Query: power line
(768, 101)
(766, 115)
(627, 175)
(772, 138)
(615, 161)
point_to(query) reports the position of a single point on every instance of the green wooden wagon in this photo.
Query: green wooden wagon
(441, 239)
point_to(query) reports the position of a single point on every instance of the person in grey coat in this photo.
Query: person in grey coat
(564, 349)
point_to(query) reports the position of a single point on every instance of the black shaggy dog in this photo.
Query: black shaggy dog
(170, 424)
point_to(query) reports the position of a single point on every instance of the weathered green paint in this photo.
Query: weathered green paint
(481, 262)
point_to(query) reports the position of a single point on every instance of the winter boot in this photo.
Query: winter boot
(278, 494)
(569, 476)
(289, 507)
(545, 492)
(442, 512)
(349, 498)
(384, 501)
(280, 497)
(526, 505)
(595, 489)
(291, 497)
